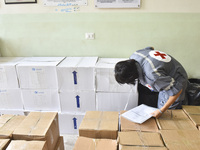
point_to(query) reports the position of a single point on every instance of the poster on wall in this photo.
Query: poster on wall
(19, 1)
(64, 2)
(117, 3)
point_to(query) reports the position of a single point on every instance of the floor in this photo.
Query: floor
(69, 141)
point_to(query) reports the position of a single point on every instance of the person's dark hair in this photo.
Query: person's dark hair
(126, 72)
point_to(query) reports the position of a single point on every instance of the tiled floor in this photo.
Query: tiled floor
(69, 141)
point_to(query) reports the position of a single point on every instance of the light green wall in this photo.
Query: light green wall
(116, 35)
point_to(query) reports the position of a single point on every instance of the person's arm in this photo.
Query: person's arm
(169, 102)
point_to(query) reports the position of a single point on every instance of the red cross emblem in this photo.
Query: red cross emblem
(160, 54)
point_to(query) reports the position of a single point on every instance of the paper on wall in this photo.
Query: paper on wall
(139, 114)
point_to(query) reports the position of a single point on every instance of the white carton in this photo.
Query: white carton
(8, 74)
(38, 72)
(116, 101)
(10, 99)
(41, 99)
(105, 79)
(13, 112)
(77, 101)
(69, 122)
(77, 73)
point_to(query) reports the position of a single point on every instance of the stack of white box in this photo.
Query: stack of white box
(76, 80)
(110, 95)
(10, 94)
(39, 84)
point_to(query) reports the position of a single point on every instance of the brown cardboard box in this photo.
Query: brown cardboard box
(149, 125)
(98, 124)
(84, 143)
(175, 120)
(27, 145)
(191, 109)
(181, 139)
(137, 138)
(41, 126)
(193, 113)
(8, 123)
(60, 144)
(4, 143)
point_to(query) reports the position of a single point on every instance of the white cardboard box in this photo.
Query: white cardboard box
(8, 74)
(77, 73)
(11, 99)
(105, 79)
(77, 101)
(69, 122)
(13, 112)
(38, 72)
(41, 99)
(116, 101)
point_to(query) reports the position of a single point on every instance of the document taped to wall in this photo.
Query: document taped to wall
(64, 2)
(139, 114)
(117, 3)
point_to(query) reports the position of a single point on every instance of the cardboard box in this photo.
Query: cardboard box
(27, 145)
(38, 72)
(84, 143)
(42, 126)
(11, 99)
(105, 79)
(175, 120)
(70, 122)
(13, 112)
(137, 138)
(60, 144)
(77, 73)
(98, 124)
(8, 123)
(41, 99)
(181, 139)
(127, 125)
(116, 101)
(77, 101)
(8, 73)
(4, 143)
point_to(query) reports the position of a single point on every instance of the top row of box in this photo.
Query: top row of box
(62, 73)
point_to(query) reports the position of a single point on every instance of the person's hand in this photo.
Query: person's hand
(156, 113)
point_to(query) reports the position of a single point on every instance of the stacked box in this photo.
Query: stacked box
(127, 125)
(76, 82)
(134, 140)
(111, 96)
(40, 126)
(84, 143)
(10, 94)
(175, 120)
(8, 123)
(97, 124)
(194, 114)
(39, 83)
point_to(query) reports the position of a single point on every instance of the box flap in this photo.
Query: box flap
(141, 148)
(4, 143)
(149, 125)
(195, 119)
(78, 62)
(140, 138)
(179, 139)
(10, 125)
(28, 145)
(84, 143)
(174, 114)
(191, 109)
(108, 62)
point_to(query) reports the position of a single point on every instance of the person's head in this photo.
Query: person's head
(126, 71)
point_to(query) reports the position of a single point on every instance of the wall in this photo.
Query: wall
(168, 25)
